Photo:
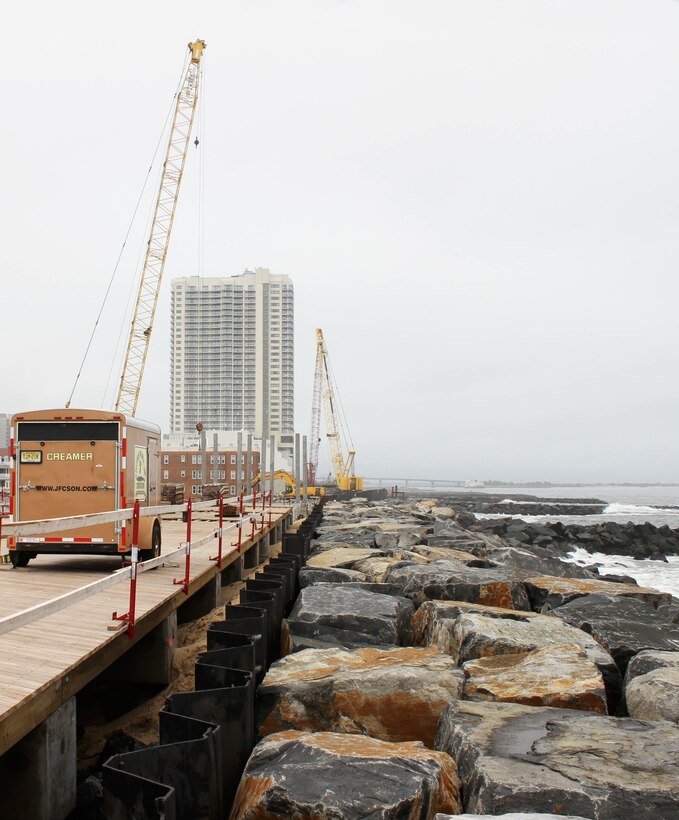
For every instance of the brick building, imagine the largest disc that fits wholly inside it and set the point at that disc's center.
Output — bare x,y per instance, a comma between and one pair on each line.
185,466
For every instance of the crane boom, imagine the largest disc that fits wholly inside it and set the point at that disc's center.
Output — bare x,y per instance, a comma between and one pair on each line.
343,468
159,239
312,466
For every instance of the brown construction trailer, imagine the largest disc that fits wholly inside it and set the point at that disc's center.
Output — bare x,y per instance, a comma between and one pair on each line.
73,462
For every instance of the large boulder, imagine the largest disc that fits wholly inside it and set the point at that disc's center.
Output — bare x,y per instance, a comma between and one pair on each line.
431,612
648,660
531,815
472,636
550,592
559,676
340,557
519,758
454,581
336,612
328,575
623,626
393,695
328,775
525,561
655,695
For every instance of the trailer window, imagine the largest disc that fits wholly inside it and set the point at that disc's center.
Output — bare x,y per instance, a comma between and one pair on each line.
67,431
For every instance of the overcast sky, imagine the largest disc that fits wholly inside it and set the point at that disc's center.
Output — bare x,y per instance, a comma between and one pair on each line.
477,200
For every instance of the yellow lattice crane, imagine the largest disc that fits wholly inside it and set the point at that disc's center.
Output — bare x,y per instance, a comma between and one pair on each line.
324,386
159,239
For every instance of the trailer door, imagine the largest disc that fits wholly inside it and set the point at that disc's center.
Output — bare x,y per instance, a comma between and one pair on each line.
68,468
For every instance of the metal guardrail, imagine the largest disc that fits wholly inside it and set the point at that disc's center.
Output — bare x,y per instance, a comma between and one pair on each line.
131,572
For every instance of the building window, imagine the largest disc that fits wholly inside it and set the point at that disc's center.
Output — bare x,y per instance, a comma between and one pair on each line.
194,490
194,474
166,475
182,474
223,459
182,459
166,460
232,490
193,459
233,459
233,475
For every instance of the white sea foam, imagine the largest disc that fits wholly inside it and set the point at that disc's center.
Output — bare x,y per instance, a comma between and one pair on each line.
656,574
636,509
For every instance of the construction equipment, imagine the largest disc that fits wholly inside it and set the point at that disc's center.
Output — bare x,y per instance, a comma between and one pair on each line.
324,387
285,476
159,239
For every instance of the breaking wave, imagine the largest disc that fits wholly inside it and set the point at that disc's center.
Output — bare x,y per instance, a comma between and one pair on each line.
635,509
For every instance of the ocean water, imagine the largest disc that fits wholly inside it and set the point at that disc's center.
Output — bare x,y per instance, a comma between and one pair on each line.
636,504
655,574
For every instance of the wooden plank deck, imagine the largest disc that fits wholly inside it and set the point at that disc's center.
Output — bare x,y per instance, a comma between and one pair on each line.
45,663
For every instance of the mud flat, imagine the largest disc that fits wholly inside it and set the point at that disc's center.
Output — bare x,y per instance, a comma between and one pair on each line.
433,667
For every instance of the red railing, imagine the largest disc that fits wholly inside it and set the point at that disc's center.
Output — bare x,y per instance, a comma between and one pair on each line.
135,567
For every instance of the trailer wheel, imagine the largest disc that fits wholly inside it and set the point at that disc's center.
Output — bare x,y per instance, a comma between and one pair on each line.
154,552
20,559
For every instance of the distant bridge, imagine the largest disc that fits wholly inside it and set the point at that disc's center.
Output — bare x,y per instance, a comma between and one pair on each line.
406,482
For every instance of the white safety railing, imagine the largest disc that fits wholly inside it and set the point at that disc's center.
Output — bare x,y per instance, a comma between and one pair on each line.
262,504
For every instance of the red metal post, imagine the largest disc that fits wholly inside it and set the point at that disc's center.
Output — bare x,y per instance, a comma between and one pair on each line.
187,571
129,616
218,557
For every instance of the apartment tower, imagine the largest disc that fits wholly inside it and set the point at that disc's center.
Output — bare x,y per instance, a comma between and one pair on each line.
232,354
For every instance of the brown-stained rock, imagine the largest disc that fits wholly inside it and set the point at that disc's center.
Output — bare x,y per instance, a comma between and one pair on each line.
375,569
341,557
327,775
558,676
551,592
515,758
393,695
433,611
471,636
452,580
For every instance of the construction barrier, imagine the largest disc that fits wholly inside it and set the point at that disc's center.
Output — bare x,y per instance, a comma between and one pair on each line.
206,736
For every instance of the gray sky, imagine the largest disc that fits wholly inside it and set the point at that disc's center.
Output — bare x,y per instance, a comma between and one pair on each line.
477,200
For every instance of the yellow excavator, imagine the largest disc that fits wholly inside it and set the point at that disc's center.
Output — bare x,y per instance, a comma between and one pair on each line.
289,491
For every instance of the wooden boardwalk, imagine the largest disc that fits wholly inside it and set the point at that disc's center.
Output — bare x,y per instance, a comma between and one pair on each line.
45,663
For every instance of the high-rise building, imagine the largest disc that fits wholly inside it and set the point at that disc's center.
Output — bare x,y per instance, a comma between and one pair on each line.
5,421
232,354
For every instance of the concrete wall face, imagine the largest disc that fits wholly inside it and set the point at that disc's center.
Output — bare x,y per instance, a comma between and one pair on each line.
232,353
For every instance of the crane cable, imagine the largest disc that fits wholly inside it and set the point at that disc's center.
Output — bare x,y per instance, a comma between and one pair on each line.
127,235
344,431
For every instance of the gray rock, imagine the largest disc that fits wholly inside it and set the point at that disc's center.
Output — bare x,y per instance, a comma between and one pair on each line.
329,775
623,626
527,562
394,694
655,695
452,580
648,660
538,759
513,816
471,636
330,612
548,591
328,575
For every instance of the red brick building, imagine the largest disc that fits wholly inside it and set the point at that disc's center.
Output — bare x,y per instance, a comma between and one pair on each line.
185,467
